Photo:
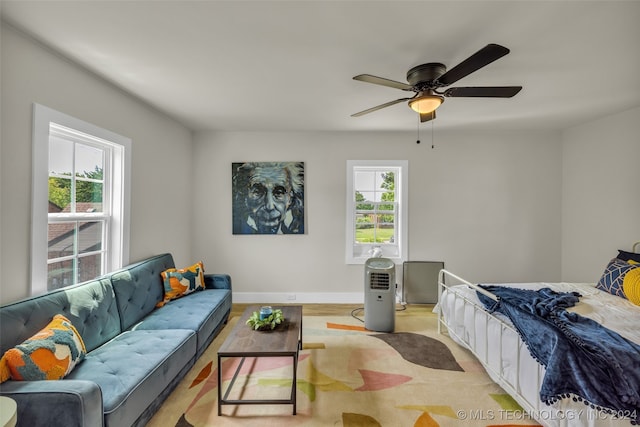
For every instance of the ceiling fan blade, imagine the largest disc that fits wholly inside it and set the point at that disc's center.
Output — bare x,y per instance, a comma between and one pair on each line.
379,107
483,92
368,78
425,117
483,57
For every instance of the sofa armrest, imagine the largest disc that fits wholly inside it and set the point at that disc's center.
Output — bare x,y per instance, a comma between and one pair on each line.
67,403
217,281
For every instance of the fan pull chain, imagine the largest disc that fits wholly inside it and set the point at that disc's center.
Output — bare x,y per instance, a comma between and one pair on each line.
432,143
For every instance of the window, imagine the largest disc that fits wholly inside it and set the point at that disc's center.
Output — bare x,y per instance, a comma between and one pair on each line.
376,210
80,201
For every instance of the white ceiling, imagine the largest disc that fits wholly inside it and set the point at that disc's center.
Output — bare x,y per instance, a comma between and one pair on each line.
288,65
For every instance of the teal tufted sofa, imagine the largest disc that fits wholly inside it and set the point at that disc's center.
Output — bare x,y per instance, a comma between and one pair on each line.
136,353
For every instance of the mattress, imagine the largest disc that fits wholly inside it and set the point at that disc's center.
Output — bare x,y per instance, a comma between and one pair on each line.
505,357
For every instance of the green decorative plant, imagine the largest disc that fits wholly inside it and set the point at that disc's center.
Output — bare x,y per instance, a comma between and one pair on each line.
270,322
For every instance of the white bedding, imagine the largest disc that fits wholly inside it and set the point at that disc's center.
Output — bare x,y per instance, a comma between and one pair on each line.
471,326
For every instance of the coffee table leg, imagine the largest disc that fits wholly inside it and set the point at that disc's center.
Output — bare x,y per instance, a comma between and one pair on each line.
219,387
294,386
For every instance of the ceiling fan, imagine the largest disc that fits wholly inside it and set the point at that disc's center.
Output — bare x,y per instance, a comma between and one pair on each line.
426,81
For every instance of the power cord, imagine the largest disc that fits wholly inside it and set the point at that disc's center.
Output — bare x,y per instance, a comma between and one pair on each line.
354,311
403,306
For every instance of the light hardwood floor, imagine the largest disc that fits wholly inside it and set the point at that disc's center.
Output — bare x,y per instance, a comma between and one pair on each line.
342,309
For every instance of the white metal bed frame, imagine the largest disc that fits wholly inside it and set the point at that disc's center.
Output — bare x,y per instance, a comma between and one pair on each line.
513,388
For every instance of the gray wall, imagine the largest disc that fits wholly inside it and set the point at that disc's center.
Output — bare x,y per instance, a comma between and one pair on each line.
161,171
486,203
600,193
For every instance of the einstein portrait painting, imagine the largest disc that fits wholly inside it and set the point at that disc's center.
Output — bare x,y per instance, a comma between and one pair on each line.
268,197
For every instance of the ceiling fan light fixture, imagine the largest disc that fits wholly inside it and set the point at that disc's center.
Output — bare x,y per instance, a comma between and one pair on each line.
426,103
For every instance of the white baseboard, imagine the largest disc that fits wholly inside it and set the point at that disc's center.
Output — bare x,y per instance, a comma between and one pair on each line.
298,297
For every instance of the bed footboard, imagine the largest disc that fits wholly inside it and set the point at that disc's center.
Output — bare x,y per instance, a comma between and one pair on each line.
501,340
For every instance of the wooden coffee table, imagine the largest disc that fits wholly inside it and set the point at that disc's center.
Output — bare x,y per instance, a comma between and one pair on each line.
285,340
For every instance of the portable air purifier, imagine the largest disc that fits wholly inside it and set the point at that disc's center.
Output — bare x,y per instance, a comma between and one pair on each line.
379,295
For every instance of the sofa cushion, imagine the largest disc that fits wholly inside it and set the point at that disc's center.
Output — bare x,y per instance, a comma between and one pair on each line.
181,282
133,368
66,403
200,311
90,306
139,288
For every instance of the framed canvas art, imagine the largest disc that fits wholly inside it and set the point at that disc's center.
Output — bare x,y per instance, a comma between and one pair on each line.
268,197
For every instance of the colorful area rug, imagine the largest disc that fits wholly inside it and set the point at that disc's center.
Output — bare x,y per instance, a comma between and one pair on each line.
348,376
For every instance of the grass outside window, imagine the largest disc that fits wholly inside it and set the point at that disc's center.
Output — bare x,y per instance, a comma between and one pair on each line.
382,235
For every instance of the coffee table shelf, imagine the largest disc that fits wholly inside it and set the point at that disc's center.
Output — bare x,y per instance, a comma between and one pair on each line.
284,341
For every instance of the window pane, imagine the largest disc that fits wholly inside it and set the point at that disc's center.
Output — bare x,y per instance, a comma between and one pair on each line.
88,196
387,220
364,180
89,173
366,196
59,195
89,161
386,233
89,236
89,267
365,232
59,274
60,156
364,207
375,229
61,239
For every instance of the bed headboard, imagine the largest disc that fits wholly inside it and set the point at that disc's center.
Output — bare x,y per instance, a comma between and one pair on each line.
636,247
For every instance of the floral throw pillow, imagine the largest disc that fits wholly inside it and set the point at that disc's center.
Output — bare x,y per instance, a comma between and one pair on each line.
51,354
179,282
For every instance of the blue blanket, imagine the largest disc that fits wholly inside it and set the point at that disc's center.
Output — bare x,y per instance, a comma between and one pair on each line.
583,359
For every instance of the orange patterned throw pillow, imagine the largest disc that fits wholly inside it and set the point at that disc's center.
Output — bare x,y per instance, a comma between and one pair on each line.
50,354
182,282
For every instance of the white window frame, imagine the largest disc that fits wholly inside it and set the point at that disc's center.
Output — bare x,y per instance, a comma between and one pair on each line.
117,236
358,253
